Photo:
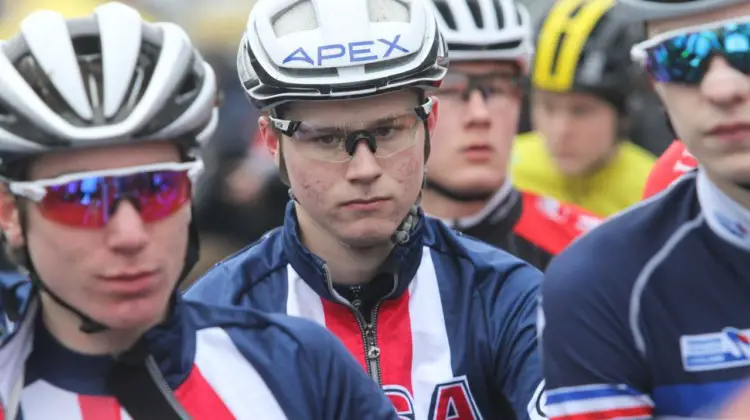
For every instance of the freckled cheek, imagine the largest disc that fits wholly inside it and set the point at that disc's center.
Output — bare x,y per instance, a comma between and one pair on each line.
313,183
407,170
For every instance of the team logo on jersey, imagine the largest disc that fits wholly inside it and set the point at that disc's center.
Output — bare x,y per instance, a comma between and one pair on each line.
729,348
401,400
453,400
552,209
732,226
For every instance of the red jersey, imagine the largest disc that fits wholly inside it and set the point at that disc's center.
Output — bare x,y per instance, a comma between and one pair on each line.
674,162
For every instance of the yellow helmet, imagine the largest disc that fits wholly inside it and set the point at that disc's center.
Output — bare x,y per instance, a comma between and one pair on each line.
582,46
14,11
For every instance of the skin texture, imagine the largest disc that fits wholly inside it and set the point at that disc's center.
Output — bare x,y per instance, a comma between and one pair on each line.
475,123
723,97
75,263
578,129
353,242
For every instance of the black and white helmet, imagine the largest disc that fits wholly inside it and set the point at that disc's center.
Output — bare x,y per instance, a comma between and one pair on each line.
107,78
667,9
336,49
486,30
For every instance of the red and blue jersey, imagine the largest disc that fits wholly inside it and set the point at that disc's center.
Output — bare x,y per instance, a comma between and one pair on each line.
219,364
455,338
647,315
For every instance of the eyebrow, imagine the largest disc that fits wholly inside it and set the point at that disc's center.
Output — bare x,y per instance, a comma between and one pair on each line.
340,126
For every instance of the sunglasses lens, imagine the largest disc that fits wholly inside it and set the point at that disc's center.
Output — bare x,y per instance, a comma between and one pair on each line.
682,59
91,201
686,58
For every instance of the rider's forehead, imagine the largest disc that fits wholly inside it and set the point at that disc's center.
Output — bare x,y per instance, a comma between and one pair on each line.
657,27
483,67
340,112
102,158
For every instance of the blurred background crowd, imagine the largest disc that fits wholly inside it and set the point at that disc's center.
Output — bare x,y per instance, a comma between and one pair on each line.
241,197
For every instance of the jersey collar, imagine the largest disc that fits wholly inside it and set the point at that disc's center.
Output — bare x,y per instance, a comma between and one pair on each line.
726,217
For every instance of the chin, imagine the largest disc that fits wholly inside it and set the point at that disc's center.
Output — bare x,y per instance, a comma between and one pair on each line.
370,234
571,168
735,167
483,186
131,314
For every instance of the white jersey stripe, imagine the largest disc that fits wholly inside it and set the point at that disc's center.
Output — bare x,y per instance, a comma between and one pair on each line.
302,301
431,350
221,363
57,403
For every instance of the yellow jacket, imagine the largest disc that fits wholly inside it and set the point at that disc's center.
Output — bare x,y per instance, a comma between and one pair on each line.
610,189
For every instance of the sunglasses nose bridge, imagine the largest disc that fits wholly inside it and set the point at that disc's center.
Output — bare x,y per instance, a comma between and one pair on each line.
115,202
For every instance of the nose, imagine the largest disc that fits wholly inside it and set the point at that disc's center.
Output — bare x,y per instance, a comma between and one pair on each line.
125,231
477,113
723,85
363,167
557,128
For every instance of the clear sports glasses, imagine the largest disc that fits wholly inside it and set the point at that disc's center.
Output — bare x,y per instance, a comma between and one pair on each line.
337,143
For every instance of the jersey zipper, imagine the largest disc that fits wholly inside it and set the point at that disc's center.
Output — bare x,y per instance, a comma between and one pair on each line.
368,330
166,391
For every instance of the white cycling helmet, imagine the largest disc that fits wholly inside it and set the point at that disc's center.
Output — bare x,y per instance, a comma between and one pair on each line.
337,49
107,78
486,30
667,9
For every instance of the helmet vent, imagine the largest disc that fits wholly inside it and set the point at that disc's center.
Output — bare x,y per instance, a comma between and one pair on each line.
476,13
298,17
445,12
387,11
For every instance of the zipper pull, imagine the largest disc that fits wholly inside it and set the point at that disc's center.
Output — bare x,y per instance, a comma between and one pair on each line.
373,353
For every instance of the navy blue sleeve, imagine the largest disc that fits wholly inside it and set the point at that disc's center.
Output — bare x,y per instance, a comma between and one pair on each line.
513,307
591,365
346,389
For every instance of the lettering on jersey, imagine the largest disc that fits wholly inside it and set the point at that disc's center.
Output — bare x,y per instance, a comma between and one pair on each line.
552,209
401,400
453,401
352,52
585,223
729,348
537,404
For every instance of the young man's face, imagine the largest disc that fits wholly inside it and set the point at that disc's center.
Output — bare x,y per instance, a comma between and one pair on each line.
712,118
121,274
358,199
474,135
578,129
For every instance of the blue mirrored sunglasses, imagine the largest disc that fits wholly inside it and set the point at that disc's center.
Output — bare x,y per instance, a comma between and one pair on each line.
684,56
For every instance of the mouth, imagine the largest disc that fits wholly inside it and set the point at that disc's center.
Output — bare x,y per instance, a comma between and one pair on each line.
130,282
734,132
364,204
478,152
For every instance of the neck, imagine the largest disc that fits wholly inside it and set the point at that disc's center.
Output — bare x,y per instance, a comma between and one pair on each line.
740,195
65,327
440,206
725,207
346,265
